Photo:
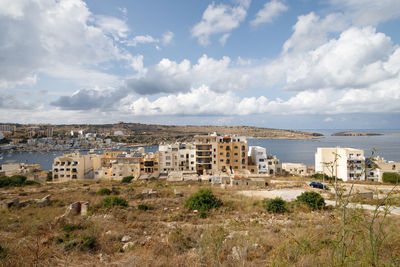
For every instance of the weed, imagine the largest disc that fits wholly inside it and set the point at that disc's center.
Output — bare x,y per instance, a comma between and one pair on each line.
203,200
312,199
104,191
276,205
110,202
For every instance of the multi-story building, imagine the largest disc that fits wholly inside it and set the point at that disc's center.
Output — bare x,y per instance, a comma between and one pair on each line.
206,153
232,154
259,158
149,165
344,163
299,169
274,165
177,157
378,166
75,166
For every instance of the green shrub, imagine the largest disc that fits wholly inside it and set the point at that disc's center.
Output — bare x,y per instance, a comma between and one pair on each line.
110,202
276,205
30,182
127,179
311,199
203,200
145,207
391,177
15,180
104,191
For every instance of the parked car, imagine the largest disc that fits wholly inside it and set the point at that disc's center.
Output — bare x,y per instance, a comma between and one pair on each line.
318,185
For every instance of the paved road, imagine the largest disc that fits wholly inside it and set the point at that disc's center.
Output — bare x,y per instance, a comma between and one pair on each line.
291,195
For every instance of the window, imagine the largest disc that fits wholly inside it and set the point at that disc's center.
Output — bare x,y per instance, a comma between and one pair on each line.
236,147
243,147
236,160
228,154
228,148
243,161
221,160
236,167
182,156
236,154
221,146
221,153
228,161
243,167
243,154
168,158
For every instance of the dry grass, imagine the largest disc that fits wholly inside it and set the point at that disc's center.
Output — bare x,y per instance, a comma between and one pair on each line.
240,233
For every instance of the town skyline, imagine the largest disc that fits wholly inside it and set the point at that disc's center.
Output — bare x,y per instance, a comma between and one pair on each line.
277,64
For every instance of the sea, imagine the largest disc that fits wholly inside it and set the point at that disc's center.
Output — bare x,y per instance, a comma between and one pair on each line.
386,145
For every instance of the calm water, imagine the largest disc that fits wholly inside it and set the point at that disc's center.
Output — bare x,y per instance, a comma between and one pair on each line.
303,151
46,158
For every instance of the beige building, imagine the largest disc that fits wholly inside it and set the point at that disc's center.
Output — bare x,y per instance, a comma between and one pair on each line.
177,157
378,166
299,169
344,163
16,168
149,166
206,153
232,154
74,166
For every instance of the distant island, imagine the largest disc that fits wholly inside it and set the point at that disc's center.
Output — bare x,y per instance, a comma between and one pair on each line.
350,133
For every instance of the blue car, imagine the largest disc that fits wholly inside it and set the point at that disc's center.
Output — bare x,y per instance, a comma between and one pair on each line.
318,185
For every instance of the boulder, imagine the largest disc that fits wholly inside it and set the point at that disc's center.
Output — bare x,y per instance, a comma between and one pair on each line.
43,201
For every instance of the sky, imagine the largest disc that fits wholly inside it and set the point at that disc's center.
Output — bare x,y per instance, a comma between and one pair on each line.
299,64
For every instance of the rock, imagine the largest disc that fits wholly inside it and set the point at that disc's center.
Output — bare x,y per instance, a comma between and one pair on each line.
128,245
109,232
178,193
195,211
8,203
236,253
43,201
84,208
126,238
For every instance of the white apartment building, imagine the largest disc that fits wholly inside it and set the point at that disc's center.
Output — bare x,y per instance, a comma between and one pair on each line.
258,156
177,157
344,163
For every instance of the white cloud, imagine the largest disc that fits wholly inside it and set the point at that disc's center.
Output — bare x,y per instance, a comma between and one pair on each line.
167,37
142,39
328,119
51,36
269,12
114,26
310,31
219,19
204,102
363,13
223,39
